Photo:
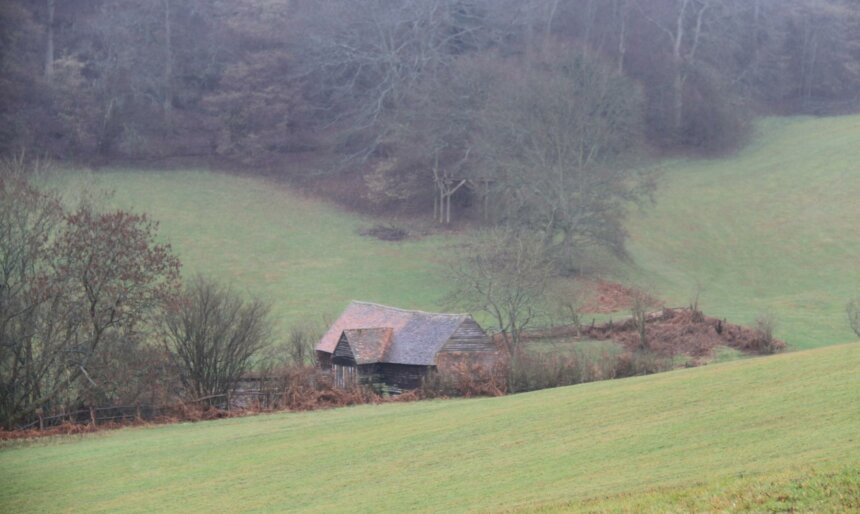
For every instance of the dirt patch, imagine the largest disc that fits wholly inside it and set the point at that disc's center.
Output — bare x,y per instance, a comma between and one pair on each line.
606,297
389,232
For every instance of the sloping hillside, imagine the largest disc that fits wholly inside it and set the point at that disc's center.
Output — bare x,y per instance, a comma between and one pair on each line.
772,230
760,433
302,254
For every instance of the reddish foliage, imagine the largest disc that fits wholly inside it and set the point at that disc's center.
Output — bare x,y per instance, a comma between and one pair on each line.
464,377
307,388
671,332
684,331
607,297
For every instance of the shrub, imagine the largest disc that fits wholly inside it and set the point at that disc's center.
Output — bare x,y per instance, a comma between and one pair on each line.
642,362
763,342
853,311
213,334
466,378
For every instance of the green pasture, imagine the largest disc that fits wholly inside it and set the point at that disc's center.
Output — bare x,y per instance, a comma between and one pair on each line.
304,256
581,349
754,434
772,230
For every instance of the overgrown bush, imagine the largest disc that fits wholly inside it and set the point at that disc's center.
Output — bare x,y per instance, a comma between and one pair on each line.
764,342
533,371
310,388
853,311
465,378
643,362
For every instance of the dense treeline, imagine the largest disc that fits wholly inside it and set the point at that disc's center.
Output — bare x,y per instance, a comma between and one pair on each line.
413,103
244,77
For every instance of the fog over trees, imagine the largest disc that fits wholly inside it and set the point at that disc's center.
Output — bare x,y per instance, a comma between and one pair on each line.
530,110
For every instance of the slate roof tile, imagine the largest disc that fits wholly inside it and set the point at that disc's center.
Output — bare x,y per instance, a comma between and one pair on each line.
415,336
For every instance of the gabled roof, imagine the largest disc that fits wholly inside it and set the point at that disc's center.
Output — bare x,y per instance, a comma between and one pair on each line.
416,336
368,345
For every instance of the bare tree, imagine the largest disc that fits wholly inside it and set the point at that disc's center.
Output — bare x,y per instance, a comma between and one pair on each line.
853,311
49,39
504,274
683,27
72,285
366,58
300,345
639,313
28,362
558,139
214,334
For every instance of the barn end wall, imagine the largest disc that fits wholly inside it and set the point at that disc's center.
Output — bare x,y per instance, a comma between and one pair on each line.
324,359
469,337
456,362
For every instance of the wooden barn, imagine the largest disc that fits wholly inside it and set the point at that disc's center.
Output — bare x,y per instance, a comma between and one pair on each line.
371,343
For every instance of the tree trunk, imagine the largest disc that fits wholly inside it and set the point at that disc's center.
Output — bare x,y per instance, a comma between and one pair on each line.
168,60
547,33
678,99
622,35
49,44
678,63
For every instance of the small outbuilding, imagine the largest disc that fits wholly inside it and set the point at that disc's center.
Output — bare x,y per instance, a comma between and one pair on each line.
375,344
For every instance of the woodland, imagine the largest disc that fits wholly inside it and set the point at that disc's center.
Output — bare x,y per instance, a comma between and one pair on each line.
400,105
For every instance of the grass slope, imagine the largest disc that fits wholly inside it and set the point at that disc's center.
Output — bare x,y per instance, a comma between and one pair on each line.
774,229
303,255
758,433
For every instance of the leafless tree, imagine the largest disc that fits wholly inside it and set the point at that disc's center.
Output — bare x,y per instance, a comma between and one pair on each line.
300,345
684,26
72,285
504,274
557,138
214,334
28,363
853,311
367,57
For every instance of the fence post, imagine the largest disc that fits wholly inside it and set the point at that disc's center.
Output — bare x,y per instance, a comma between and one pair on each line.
137,411
228,401
93,415
41,419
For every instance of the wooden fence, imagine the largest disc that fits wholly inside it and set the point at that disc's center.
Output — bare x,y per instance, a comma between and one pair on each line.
250,393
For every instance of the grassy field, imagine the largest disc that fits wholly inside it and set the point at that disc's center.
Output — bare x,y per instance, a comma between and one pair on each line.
773,230
303,255
762,434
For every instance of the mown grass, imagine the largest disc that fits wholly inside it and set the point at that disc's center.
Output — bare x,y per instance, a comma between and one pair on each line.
772,230
757,434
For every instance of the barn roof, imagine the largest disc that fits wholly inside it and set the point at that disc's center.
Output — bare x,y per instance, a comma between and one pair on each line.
416,336
369,345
